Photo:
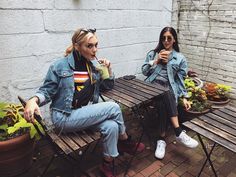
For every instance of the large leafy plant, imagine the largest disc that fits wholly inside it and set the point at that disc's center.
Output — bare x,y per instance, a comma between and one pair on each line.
13,124
196,96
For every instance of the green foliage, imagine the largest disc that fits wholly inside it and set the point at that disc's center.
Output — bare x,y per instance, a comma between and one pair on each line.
12,122
189,83
217,92
196,96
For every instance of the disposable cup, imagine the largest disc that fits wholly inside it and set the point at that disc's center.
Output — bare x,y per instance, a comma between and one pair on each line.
103,70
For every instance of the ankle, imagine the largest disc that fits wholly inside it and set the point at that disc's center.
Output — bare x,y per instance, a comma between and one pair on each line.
107,159
160,138
123,137
128,138
178,131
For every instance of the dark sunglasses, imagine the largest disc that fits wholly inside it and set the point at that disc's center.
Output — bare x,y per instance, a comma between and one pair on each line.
166,38
89,30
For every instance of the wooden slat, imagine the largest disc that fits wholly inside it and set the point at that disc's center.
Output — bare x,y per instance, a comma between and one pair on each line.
125,96
231,108
94,134
229,112
225,116
69,141
215,130
78,139
211,136
118,99
218,124
135,87
59,142
144,85
85,137
135,91
151,85
132,93
220,119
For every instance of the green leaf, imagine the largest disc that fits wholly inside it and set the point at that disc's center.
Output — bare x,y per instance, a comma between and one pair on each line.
21,124
3,127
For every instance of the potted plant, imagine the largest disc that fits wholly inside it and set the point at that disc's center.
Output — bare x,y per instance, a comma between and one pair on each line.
17,140
197,98
217,94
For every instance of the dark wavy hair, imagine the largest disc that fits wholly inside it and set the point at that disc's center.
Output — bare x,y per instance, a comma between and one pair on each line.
160,45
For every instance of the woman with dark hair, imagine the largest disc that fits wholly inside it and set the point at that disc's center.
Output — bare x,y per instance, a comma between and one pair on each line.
167,67
72,85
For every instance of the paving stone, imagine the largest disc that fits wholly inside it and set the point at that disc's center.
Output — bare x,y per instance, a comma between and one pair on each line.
151,168
187,175
167,168
172,174
178,161
181,169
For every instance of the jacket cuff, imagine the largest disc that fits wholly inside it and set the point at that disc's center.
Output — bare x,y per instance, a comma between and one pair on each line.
41,98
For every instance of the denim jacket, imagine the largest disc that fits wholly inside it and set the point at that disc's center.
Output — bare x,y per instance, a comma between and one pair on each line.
58,86
176,71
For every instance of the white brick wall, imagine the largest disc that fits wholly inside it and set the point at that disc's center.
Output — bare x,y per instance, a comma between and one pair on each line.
212,57
33,33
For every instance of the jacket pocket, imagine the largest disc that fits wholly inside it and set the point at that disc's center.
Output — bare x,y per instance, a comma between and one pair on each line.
175,68
66,79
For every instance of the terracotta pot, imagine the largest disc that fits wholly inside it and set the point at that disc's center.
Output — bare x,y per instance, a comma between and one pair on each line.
198,82
16,155
219,104
196,113
188,115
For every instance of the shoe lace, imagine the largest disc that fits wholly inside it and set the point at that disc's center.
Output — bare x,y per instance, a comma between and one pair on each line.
161,145
185,137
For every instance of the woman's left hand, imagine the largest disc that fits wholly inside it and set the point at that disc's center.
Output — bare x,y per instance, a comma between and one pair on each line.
186,103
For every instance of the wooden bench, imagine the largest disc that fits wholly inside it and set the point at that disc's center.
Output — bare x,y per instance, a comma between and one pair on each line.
69,145
218,126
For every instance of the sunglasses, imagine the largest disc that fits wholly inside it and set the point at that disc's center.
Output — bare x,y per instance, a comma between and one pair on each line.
89,30
166,38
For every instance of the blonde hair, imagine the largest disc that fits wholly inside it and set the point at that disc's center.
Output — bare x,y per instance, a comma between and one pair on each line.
78,38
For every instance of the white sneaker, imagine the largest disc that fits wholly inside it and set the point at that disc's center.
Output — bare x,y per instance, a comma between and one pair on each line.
160,149
186,140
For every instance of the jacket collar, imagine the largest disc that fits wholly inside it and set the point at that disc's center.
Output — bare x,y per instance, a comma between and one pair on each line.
71,61
174,54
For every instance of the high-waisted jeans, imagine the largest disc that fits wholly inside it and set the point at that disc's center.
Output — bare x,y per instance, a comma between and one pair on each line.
105,117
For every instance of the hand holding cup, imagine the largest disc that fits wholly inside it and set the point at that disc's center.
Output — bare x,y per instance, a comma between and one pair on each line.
103,67
163,56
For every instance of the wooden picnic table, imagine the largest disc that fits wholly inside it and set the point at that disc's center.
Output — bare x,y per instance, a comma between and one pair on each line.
218,126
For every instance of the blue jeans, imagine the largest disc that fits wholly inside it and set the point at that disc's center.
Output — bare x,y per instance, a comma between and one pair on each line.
105,117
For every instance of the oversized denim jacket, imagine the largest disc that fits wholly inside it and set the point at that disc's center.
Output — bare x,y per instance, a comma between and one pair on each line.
58,86
176,71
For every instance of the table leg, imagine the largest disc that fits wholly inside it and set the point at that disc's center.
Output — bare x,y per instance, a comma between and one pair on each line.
208,156
137,113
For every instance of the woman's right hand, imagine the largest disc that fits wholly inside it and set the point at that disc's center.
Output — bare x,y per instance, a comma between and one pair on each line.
31,108
163,57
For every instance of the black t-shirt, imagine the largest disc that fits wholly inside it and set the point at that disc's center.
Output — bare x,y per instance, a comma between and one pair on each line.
82,81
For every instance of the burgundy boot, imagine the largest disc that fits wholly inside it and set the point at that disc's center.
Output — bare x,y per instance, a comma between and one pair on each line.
129,146
107,169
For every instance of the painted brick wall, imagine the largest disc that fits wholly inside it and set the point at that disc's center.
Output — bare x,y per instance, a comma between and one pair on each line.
207,34
33,33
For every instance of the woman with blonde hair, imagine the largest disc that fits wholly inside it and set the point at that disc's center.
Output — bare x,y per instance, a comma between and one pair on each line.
71,84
